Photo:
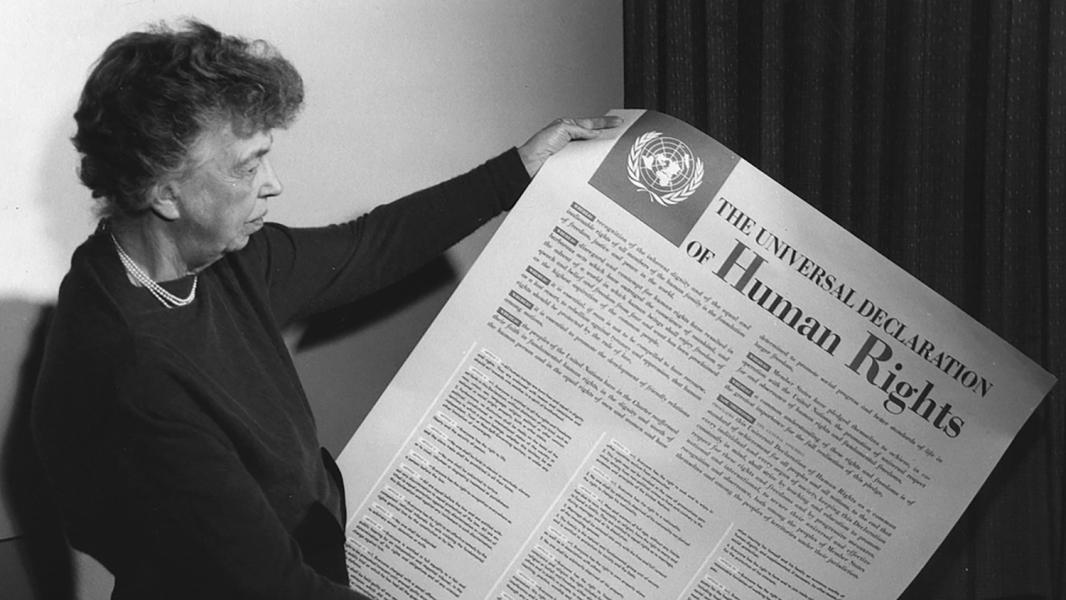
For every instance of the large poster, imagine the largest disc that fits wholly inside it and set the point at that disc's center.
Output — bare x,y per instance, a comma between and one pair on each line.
668,377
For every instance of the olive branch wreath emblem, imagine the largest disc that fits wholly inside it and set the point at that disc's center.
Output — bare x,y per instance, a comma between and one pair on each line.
669,199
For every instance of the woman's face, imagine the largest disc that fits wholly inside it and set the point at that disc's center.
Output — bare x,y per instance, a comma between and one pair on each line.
222,197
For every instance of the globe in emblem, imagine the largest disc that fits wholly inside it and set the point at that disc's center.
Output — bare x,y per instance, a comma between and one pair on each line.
666,164
665,167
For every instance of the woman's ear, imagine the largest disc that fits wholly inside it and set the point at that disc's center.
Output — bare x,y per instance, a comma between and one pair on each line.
164,199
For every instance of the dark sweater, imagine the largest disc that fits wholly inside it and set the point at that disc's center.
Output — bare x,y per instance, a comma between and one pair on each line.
180,441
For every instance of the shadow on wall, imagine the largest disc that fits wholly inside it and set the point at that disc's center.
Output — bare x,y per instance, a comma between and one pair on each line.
439,274
59,216
347,357
33,510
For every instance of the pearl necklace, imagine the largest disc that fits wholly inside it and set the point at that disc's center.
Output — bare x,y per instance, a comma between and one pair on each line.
167,299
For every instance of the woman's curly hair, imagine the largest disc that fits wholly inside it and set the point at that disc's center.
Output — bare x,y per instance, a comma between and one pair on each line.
152,93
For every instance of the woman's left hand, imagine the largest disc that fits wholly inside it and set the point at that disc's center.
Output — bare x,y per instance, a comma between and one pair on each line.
559,133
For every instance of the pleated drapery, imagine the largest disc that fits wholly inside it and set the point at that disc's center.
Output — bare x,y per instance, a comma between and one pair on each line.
935,132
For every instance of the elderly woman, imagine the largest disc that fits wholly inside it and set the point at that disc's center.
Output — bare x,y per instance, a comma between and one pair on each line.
168,412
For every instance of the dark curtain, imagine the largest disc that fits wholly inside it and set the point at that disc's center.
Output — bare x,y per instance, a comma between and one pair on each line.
936,132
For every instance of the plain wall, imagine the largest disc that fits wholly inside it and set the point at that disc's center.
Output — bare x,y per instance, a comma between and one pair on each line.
400,94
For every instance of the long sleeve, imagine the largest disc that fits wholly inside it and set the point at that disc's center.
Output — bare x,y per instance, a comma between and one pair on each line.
310,270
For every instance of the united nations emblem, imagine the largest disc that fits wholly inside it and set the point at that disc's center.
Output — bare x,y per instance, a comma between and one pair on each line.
664,167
